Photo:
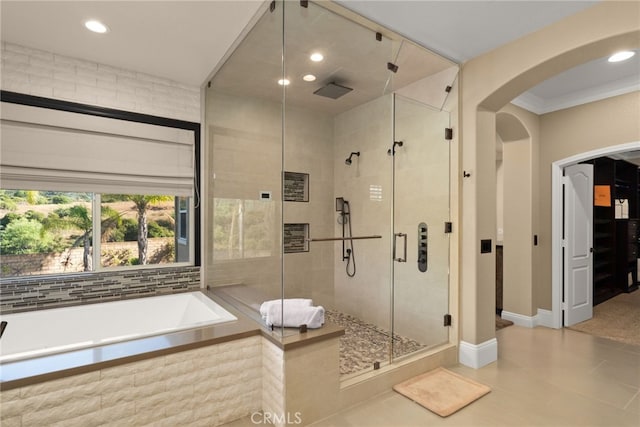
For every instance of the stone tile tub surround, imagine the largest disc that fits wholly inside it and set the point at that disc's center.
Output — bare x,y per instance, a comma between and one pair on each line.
207,386
204,376
43,292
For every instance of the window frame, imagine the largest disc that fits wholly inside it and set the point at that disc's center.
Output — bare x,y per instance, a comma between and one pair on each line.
182,223
194,210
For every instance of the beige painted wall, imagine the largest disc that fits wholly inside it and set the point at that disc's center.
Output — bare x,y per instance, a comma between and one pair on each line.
572,131
517,286
488,83
520,130
499,200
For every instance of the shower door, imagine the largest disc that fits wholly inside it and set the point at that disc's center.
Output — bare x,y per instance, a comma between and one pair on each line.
420,272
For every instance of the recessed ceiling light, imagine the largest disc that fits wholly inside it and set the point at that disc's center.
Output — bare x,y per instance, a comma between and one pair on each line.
283,82
316,57
621,56
309,78
96,26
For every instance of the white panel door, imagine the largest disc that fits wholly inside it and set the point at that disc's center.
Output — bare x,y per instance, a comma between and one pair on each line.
578,251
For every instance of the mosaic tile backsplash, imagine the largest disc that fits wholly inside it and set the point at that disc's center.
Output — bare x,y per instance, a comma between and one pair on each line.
39,293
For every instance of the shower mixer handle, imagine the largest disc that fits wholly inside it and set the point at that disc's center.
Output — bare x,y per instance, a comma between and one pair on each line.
395,240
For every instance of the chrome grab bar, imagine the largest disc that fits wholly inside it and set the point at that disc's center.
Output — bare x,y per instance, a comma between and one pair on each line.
328,239
395,236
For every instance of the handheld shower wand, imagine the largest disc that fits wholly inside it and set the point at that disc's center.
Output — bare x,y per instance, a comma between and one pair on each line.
349,161
348,252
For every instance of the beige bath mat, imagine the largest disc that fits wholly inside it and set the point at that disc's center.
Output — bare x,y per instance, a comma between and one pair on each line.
442,391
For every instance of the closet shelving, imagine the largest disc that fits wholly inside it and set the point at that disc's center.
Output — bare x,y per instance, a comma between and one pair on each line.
615,229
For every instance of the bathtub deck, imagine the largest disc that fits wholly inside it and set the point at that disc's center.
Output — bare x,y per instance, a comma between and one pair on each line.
32,371
361,345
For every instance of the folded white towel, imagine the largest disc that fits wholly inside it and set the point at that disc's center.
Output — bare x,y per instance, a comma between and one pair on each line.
287,302
293,317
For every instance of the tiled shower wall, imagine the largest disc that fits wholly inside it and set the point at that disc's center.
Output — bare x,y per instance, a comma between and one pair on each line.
50,292
244,159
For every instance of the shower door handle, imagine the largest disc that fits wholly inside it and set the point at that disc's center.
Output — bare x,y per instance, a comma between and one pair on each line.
395,243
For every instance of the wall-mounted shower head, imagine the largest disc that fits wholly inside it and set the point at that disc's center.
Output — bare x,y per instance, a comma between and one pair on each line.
348,161
391,151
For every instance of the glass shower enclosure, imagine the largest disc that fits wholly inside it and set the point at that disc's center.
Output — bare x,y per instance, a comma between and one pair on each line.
328,179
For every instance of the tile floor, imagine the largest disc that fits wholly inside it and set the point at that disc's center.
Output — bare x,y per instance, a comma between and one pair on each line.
365,343
543,377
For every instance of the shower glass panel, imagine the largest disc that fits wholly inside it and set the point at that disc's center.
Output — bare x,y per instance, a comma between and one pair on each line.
421,199
337,128
244,116
307,191
420,210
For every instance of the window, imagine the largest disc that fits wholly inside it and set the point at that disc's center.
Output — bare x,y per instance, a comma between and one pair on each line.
45,232
87,188
49,232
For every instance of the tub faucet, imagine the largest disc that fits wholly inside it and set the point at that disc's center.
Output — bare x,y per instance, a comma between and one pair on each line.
3,325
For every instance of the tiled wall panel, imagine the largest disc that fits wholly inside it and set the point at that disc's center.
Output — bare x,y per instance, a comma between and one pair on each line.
40,73
38,293
208,386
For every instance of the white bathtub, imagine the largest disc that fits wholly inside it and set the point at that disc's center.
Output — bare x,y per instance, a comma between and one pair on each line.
43,332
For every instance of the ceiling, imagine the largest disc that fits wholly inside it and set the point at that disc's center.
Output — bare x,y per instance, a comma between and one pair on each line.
354,59
186,40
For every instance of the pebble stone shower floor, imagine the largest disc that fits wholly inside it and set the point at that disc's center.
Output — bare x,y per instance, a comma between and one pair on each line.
365,343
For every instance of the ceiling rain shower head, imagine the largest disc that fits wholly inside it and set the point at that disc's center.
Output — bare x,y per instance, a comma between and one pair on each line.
349,161
333,91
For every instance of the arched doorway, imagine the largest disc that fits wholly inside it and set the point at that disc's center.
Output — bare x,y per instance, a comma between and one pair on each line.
517,220
557,169
488,84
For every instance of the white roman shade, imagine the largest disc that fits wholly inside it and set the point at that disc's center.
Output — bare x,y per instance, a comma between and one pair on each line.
47,149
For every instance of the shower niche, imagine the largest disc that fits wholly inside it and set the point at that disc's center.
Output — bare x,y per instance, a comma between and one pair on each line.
296,238
296,187
308,87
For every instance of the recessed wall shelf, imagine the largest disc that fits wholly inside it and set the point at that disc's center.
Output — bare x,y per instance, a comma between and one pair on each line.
296,238
296,187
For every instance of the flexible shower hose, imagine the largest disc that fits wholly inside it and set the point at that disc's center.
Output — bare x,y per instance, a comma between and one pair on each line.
351,254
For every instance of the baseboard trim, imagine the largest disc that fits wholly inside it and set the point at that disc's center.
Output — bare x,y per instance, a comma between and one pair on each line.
545,318
520,319
478,355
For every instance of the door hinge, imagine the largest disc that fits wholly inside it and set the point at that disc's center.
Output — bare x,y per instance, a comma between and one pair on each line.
448,227
392,67
447,320
448,134
272,6
304,3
